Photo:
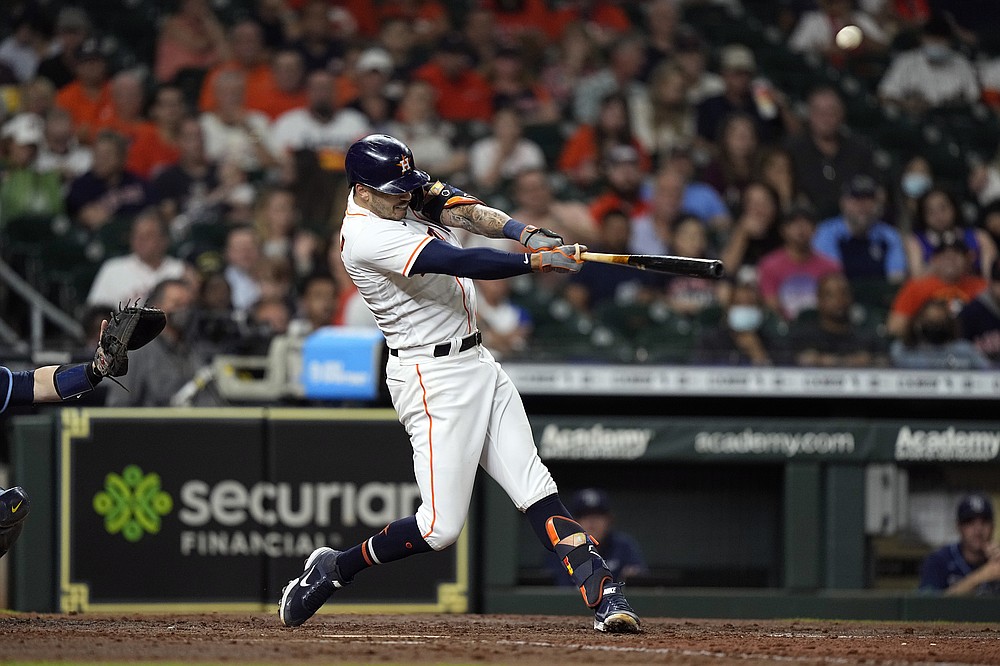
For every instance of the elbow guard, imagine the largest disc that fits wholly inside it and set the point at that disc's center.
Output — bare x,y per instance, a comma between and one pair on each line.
432,199
74,380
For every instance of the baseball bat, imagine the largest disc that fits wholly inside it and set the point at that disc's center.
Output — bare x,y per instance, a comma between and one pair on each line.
687,266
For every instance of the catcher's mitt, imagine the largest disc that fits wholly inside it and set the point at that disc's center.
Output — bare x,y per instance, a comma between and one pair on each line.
128,329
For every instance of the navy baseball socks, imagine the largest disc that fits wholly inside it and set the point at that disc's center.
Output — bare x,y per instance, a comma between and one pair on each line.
327,570
590,573
14,506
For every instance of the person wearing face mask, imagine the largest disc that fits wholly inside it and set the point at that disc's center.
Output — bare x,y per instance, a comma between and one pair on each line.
931,342
740,338
931,76
915,181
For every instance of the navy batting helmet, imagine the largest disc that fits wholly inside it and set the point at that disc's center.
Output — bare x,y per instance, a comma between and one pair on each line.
383,163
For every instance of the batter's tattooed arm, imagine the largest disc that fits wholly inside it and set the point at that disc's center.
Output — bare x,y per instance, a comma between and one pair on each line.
477,218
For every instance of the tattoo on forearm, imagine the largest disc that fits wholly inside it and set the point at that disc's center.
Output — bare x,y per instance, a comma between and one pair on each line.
477,218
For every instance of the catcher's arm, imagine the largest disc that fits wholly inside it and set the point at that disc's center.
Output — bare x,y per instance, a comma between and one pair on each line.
129,328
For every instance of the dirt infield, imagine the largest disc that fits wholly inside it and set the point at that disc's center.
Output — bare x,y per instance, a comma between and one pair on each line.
525,640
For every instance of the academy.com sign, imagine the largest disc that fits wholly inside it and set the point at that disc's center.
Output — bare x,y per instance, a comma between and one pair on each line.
947,444
594,442
789,444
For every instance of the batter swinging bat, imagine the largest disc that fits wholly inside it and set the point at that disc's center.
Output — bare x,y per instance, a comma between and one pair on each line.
687,266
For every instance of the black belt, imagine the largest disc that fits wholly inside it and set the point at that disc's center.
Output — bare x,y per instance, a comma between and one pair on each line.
443,349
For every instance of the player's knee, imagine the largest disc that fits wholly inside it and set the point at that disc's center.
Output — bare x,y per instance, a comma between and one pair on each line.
443,536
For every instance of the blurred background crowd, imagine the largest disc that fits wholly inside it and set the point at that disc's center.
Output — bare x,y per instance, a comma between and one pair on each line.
191,152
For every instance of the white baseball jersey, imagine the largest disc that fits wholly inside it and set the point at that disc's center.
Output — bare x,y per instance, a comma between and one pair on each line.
411,310
461,410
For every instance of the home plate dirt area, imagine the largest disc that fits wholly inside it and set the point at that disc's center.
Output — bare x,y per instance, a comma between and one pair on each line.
524,640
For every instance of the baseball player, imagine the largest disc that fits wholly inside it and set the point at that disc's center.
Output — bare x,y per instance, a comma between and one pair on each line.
459,408
130,328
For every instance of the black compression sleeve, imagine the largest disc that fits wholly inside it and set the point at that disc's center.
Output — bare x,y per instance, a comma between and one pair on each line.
479,263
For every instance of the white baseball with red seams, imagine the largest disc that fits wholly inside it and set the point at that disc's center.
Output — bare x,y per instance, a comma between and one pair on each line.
460,410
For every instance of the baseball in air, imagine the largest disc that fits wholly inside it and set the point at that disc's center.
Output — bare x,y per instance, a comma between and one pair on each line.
849,37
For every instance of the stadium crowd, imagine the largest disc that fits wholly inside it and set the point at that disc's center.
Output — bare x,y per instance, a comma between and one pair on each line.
196,147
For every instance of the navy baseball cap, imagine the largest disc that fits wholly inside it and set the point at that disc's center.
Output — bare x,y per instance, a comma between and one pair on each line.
975,506
589,501
861,186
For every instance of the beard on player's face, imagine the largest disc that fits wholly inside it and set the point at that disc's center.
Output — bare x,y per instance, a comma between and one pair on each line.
388,206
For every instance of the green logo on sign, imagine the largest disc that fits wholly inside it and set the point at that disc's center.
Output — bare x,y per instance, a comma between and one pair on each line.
132,503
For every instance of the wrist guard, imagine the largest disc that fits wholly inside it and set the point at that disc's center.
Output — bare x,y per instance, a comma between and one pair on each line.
430,200
74,380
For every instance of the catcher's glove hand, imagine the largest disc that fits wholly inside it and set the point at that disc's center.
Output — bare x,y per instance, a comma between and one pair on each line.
129,328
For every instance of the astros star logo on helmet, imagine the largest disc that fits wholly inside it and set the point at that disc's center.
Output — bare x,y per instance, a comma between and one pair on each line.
404,163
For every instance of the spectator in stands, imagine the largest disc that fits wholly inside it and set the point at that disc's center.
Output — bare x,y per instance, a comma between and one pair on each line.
972,565
984,181
688,296
662,23
691,56
270,316
735,161
463,94
948,279
318,127
320,48
587,148
816,30
740,339
938,220
428,19
826,156
419,127
132,276
790,274
190,38
150,147
71,29
591,507
536,204
514,87
276,281
916,180
158,371
281,236
832,339
22,49
242,255
865,247
775,168
496,159
25,190
528,20
186,187
738,66
623,177
89,93
375,94
603,19
930,341
664,120
573,58
38,96
989,220
931,76
590,289
979,320
61,151
620,77
756,230
234,132
317,304
396,39
506,327
246,56
107,191
286,86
